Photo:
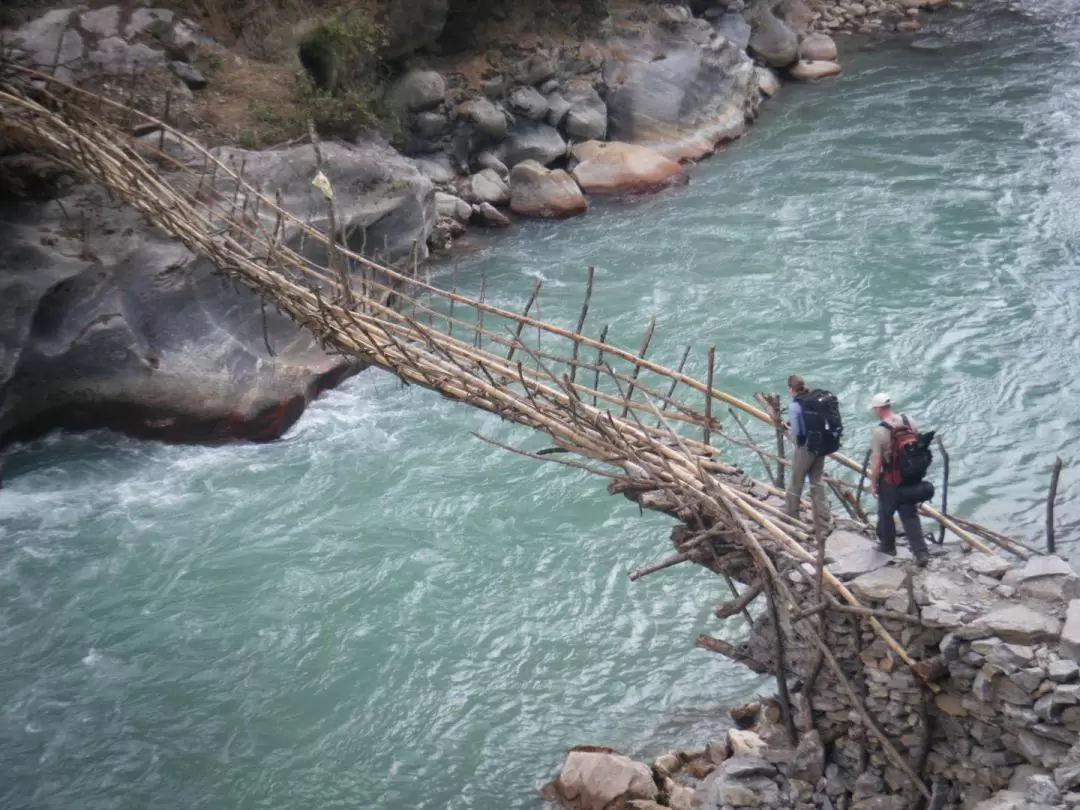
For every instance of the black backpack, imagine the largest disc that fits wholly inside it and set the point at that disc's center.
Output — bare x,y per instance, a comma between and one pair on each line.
821,420
911,455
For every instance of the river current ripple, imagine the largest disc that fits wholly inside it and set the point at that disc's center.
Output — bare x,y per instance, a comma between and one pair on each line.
380,611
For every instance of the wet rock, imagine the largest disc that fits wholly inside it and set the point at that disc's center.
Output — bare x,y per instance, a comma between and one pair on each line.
486,118
587,118
596,781
484,186
527,102
189,75
417,90
622,168
818,48
529,140
810,71
772,41
144,338
539,192
490,216
768,83
447,205
666,764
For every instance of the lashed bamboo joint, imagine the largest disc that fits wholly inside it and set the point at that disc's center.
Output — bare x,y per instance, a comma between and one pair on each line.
621,415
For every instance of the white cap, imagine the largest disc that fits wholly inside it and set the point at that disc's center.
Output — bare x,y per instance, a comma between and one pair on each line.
880,401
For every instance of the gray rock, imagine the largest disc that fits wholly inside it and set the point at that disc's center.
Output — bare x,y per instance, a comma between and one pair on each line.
743,767
487,214
486,186
587,118
735,28
1050,706
486,118
495,87
488,160
696,95
558,107
431,124
143,19
536,69
772,41
417,90
991,565
755,791
1028,679
1041,788
879,585
102,22
189,75
1017,623
411,26
856,563
809,762
1070,635
527,102
436,168
529,140
1063,671
550,86
1067,776
51,37
114,55
818,47
539,192
447,205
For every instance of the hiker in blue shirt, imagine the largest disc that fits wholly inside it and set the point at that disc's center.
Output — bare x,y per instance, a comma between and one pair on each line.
803,462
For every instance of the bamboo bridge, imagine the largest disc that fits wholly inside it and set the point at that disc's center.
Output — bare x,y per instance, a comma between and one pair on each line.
652,432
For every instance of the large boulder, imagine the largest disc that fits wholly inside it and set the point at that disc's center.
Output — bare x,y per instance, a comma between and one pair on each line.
680,97
129,330
417,90
487,119
528,140
587,117
598,780
771,40
809,71
410,26
818,47
623,168
536,191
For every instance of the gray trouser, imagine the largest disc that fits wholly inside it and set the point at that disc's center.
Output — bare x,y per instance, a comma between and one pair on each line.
909,519
805,463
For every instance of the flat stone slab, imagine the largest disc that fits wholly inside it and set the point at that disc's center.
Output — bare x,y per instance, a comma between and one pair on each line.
989,565
1047,565
1018,624
879,585
856,563
842,542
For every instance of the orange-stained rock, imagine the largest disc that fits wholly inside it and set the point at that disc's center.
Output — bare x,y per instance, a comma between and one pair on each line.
623,168
806,71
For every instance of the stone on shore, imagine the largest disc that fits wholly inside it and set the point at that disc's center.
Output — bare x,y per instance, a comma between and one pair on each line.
623,168
1017,624
1070,635
417,90
536,191
818,47
529,140
594,780
587,117
806,71
447,205
486,186
528,103
486,118
772,41
488,215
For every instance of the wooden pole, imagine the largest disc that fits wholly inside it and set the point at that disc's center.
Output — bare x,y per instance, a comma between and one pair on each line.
708,396
944,486
581,321
1050,498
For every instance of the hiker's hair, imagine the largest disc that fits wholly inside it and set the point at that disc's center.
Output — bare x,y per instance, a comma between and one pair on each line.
797,384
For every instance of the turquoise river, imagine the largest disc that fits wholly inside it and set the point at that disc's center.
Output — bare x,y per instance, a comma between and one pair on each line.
380,611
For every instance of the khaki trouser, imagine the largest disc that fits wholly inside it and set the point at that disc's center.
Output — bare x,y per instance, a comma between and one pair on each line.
805,463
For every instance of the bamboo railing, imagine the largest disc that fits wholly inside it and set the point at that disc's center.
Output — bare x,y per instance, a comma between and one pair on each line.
652,431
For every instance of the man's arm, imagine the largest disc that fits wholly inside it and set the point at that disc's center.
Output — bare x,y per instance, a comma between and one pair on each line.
795,421
875,470
877,443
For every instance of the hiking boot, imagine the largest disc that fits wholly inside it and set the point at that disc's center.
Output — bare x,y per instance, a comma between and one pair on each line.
890,550
922,558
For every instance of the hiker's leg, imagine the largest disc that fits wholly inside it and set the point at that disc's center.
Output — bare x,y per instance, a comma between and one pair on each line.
817,489
909,518
800,465
886,528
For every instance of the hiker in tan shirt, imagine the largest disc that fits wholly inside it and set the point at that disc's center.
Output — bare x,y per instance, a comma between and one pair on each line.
885,484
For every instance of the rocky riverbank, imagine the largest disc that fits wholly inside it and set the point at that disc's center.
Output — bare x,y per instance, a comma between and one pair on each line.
520,123
990,723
